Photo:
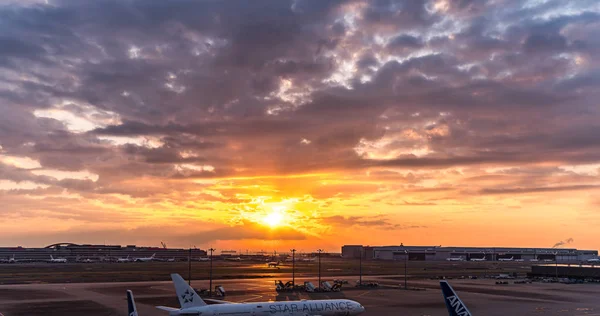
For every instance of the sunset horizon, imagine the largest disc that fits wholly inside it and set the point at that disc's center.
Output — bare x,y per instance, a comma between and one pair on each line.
300,124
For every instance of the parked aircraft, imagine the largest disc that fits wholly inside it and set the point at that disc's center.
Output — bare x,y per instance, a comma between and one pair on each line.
234,259
9,260
147,259
593,260
192,304
506,259
273,264
455,259
121,260
313,259
534,259
479,259
203,259
455,306
57,260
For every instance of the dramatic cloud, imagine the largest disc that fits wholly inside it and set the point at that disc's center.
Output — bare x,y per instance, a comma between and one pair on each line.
116,115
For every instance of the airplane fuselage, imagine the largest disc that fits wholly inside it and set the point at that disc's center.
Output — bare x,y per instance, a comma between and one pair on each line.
293,308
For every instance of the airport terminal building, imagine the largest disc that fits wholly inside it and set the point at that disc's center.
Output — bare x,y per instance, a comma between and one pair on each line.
439,253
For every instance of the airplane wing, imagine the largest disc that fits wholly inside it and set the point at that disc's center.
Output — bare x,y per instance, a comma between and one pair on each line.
167,309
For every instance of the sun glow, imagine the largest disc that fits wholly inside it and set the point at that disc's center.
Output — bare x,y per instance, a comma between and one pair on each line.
274,218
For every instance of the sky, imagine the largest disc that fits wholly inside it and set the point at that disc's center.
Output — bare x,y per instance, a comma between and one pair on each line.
278,124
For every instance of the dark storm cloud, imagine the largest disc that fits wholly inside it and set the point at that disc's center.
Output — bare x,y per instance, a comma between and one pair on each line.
262,87
405,41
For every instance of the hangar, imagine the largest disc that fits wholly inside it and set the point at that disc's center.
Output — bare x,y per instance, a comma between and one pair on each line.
439,253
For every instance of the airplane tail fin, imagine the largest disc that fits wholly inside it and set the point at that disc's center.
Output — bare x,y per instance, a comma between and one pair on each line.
153,255
455,306
185,294
131,309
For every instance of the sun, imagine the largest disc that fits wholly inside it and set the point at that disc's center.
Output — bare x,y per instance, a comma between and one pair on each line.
274,219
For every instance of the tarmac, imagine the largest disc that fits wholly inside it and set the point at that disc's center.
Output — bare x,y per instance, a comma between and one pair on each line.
482,297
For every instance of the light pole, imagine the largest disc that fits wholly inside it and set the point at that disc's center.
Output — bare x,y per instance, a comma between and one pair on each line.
319,251
293,267
210,276
405,268
360,267
190,267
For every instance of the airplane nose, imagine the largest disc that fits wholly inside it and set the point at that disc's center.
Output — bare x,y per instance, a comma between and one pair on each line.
361,309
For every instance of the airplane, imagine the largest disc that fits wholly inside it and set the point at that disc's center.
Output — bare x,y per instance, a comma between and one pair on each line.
171,260
454,304
86,260
121,260
9,260
192,304
273,264
455,259
534,259
131,308
234,259
479,259
506,259
203,259
313,259
147,259
57,260
593,260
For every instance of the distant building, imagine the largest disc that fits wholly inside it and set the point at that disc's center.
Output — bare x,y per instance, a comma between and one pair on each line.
432,253
72,252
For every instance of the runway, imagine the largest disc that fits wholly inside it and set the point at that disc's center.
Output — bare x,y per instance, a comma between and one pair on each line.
483,297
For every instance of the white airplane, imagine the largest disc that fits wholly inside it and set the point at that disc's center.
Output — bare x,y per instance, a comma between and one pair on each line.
506,259
273,264
455,306
479,259
593,260
192,304
121,260
57,260
203,259
12,259
147,259
234,259
519,260
455,259
9,260
309,259
534,259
